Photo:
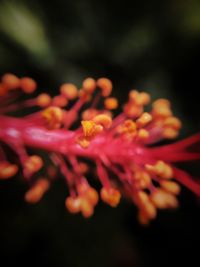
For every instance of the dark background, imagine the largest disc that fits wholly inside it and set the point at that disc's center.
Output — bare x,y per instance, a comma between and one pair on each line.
149,45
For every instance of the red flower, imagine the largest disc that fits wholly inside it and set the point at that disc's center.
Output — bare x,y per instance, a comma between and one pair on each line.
120,148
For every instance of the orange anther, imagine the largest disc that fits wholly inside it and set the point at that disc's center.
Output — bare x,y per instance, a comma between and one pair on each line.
35,193
143,134
103,120
83,142
92,196
33,163
43,100
144,119
161,102
132,110
161,169
73,204
172,122
171,187
86,208
105,85
163,199
110,103
7,170
89,84
146,205
69,90
60,101
170,133
139,99
88,128
28,85
143,179
143,99
128,126
110,196
89,114
11,81
53,117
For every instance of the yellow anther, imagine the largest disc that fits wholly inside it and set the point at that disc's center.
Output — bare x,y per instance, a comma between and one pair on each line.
53,117
90,128
171,187
7,170
143,179
105,85
161,169
34,194
83,142
143,197
69,90
89,85
172,122
33,163
162,199
129,126
110,103
103,120
60,101
144,119
110,196
170,133
43,100
11,81
143,134
89,114
73,204
145,205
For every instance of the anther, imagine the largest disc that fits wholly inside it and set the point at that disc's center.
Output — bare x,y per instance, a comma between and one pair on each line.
53,117
110,103
11,81
7,170
105,85
89,85
59,101
103,120
43,100
110,196
69,90
28,85
73,204
33,164
144,119
35,193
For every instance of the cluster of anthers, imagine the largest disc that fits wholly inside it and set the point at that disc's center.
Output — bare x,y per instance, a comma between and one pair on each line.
78,131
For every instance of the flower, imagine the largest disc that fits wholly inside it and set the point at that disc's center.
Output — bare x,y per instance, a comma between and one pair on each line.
121,148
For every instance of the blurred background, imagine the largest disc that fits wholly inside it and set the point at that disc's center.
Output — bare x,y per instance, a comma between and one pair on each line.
149,45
